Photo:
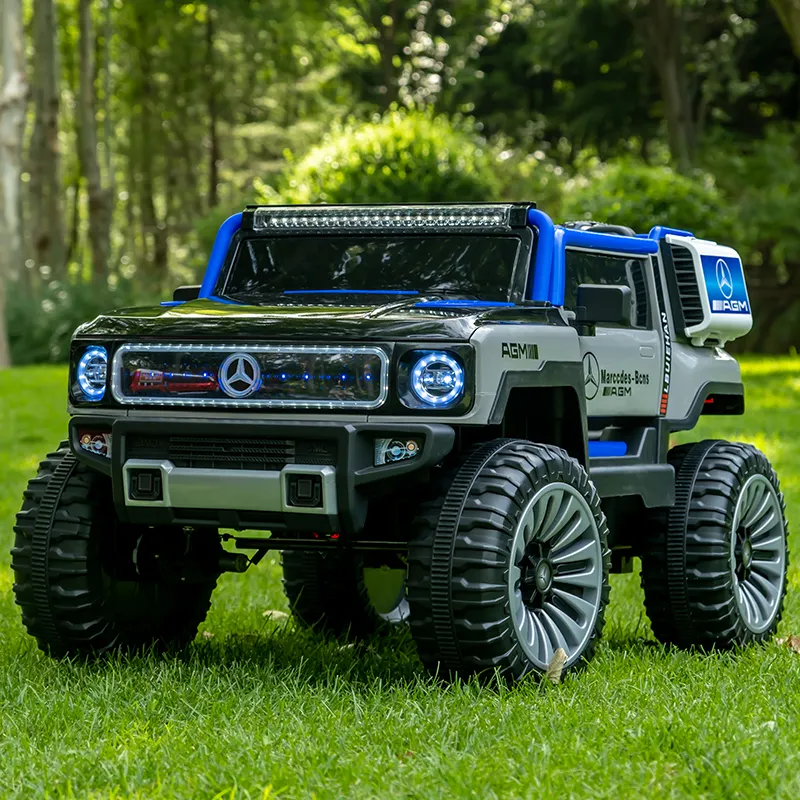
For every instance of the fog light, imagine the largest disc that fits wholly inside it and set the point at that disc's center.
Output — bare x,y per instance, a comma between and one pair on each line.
96,442
387,451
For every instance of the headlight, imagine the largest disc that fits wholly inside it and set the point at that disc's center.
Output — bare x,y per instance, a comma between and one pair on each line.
91,373
437,380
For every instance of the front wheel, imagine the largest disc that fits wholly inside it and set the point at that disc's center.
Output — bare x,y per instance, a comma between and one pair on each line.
509,564
88,584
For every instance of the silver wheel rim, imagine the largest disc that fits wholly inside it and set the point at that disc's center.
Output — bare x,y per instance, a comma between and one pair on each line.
555,580
758,553
386,589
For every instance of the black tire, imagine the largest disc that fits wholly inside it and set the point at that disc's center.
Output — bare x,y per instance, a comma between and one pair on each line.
693,562
75,569
338,593
460,560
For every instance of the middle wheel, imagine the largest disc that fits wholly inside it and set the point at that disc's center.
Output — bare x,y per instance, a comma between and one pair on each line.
509,564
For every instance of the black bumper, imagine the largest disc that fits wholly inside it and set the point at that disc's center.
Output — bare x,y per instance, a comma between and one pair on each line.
357,480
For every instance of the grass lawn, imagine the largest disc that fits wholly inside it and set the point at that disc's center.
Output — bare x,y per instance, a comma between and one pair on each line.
257,709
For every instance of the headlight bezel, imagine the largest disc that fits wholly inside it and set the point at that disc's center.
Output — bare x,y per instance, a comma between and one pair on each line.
409,395
83,388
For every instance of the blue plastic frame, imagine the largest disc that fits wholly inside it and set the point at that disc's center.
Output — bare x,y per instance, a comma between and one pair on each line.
217,258
549,266
547,281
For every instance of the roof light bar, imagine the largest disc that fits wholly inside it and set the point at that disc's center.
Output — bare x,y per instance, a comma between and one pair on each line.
349,218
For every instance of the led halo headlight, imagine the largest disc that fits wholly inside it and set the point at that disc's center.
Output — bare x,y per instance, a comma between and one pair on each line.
91,373
437,380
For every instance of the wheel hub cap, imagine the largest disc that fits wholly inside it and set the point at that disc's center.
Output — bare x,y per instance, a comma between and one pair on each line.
555,577
758,553
544,576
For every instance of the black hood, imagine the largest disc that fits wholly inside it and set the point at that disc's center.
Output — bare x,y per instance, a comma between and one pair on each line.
206,320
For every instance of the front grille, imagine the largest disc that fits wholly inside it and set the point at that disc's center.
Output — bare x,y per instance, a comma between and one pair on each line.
688,289
220,452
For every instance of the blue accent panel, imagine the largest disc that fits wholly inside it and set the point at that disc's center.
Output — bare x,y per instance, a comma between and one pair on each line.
543,262
659,232
463,304
218,253
172,303
725,286
352,291
628,245
607,449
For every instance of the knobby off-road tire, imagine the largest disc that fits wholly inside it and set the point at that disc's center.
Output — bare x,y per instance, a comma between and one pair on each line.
714,566
75,573
338,593
508,564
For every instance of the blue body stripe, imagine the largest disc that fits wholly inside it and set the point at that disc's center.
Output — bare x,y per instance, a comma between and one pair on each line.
607,449
352,291
217,258
453,303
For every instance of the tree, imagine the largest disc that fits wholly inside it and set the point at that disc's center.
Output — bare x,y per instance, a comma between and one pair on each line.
100,200
12,119
45,155
789,13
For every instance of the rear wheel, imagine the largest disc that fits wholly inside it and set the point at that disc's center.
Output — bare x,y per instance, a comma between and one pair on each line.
88,584
509,564
341,592
714,570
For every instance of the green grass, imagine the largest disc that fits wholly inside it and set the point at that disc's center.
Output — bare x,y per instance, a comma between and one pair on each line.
257,709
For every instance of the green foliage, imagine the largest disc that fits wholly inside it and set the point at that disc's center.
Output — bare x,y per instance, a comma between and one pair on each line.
403,157
762,178
629,192
40,326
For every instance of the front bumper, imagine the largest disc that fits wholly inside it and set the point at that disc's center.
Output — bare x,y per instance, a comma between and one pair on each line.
258,499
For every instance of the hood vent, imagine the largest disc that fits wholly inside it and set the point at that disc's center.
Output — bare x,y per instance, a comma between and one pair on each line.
688,288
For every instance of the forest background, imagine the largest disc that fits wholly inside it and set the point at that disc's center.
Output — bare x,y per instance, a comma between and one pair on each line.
129,130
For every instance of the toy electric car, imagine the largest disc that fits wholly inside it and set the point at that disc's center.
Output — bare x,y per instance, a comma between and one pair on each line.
455,415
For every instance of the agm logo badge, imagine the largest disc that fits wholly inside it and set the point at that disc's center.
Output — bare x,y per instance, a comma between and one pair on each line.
240,376
520,350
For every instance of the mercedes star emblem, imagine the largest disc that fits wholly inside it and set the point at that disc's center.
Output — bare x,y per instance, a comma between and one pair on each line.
240,376
724,279
591,376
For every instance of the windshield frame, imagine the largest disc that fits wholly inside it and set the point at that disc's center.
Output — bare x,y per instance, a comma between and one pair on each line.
517,291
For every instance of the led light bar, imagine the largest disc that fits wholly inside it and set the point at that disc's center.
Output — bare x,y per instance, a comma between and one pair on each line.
494,217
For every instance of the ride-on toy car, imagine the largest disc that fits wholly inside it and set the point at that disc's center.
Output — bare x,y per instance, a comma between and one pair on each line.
458,415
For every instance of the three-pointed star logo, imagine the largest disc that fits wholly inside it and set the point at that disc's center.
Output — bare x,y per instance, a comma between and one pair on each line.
724,279
240,375
591,376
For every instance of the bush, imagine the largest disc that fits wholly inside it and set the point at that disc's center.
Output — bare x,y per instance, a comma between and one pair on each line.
40,326
632,193
403,157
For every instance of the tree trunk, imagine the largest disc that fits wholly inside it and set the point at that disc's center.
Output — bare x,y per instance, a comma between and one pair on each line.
153,227
100,202
46,189
13,97
213,114
387,45
664,28
789,13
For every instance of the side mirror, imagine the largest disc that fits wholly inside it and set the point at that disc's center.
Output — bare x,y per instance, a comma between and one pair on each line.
603,304
185,293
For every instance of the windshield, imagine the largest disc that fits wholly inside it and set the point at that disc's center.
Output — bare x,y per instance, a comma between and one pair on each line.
478,266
